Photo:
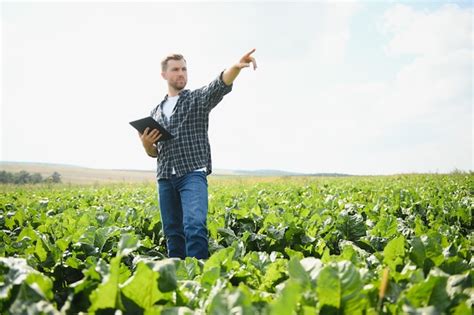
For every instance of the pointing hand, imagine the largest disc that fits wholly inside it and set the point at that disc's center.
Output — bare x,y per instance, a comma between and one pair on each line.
245,61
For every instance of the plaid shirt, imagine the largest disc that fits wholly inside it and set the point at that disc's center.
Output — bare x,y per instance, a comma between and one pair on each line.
189,149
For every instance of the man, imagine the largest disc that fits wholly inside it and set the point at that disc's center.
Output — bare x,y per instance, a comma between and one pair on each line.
184,162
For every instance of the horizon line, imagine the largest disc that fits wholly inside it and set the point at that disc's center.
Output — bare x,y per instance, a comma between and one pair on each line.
287,173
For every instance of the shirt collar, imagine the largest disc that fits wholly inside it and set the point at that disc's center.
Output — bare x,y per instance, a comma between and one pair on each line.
180,93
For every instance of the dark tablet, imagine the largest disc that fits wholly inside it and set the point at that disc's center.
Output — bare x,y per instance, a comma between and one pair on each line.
142,124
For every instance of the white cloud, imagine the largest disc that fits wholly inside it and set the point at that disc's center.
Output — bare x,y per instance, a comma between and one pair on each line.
439,79
419,121
335,34
435,88
433,84
329,32
444,30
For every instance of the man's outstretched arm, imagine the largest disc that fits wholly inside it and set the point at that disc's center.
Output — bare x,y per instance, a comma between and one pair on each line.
230,74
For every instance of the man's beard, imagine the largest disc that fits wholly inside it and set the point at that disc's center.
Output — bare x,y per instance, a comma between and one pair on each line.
178,85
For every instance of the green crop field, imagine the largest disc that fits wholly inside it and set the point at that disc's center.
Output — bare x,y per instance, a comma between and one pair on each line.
352,245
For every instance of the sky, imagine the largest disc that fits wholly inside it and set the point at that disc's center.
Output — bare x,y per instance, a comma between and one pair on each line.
365,88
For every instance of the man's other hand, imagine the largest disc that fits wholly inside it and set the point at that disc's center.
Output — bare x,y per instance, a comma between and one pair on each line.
149,137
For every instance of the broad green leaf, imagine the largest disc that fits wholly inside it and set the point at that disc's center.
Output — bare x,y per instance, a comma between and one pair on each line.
103,234
13,272
457,284
63,244
127,244
433,247
40,250
30,300
286,303
228,235
430,292
73,262
312,266
188,269
339,286
222,259
297,272
276,233
107,294
142,287
42,283
386,226
329,287
27,232
462,309
259,260
417,252
293,253
210,276
88,237
454,265
394,253
233,301
167,271
275,273
352,226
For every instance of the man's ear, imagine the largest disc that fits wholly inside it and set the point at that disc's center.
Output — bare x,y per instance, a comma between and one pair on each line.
163,75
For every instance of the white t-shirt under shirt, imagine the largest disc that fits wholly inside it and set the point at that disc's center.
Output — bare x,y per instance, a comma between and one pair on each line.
169,105
168,110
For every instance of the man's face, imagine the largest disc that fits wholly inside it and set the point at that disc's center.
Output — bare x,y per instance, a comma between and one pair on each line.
176,74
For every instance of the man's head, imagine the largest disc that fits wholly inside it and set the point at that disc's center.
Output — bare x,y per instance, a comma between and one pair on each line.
173,70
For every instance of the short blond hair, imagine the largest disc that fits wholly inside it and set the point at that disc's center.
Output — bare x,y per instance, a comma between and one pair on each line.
164,62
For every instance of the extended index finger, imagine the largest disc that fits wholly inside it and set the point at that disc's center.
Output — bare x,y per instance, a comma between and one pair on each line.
250,52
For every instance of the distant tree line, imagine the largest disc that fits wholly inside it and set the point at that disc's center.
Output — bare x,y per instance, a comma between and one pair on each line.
24,177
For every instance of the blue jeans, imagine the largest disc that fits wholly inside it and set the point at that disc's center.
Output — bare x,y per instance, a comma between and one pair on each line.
183,207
